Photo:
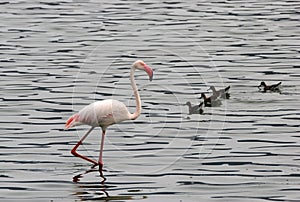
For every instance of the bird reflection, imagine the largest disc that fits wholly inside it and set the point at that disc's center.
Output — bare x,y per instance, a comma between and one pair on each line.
99,186
76,178
97,190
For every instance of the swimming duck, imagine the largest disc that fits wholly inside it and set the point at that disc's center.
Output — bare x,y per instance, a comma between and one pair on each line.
223,93
197,109
274,87
211,101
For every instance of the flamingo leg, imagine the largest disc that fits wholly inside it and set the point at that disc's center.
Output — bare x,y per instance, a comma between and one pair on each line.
74,152
100,161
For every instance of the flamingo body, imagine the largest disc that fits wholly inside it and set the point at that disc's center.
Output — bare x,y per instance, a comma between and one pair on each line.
100,114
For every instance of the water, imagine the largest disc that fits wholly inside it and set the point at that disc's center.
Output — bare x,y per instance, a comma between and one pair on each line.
56,57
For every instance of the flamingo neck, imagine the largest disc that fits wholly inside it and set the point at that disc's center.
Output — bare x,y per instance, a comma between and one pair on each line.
136,95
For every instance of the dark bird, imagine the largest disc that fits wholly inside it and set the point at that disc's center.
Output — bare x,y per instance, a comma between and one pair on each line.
223,93
196,109
211,101
264,87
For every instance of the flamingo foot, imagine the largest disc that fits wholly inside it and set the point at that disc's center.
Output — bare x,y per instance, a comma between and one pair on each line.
101,171
95,164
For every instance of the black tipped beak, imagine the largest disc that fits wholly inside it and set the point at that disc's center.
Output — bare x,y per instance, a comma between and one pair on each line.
151,77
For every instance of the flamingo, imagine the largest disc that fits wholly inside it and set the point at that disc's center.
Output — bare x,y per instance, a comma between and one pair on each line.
274,87
107,112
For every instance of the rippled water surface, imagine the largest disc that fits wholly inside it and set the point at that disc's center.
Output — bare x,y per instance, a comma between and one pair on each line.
58,56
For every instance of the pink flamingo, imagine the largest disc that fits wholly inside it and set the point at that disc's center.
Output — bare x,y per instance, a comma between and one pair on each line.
107,112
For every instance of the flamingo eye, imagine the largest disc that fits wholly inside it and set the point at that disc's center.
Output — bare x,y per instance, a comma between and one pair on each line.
142,64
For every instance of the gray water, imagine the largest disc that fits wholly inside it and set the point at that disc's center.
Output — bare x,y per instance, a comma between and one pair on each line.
58,56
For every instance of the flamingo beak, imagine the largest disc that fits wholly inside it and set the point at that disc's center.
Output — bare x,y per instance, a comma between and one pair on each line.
149,71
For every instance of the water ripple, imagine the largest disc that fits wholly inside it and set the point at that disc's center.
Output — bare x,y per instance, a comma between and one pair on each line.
56,57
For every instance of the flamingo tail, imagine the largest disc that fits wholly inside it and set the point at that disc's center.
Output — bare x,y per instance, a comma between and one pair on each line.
72,121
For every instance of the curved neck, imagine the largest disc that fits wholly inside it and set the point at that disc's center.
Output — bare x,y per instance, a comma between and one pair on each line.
136,95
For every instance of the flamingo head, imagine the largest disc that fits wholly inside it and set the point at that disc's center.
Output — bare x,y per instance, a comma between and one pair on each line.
141,65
